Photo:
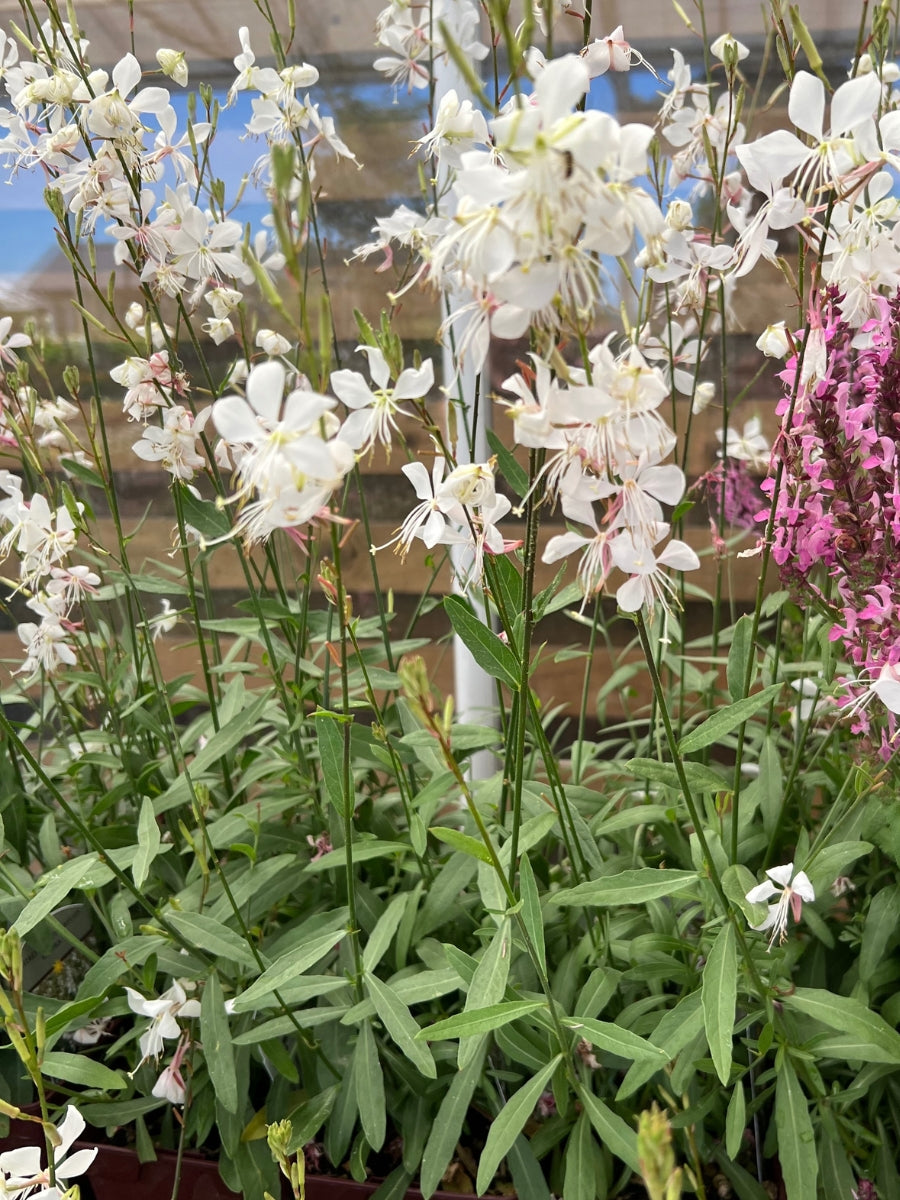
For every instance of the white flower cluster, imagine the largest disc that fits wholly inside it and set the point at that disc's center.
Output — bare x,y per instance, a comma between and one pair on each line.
410,34
43,538
21,1173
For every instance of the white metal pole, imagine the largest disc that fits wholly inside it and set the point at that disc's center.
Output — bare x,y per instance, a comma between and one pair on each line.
475,692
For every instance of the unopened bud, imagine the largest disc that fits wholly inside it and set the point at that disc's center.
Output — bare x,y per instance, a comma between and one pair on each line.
774,342
174,65
679,215
662,1178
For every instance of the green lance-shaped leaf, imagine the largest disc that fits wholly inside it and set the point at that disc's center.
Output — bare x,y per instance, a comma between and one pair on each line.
487,986
479,1020
217,1048
735,1121
149,841
483,644
531,909
86,1072
796,1140
580,1181
719,998
848,1016
369,1087
447,1125
615,1039
52,890
509,1122
209,934
286,968
400,1024
617,1136
627,887
726,720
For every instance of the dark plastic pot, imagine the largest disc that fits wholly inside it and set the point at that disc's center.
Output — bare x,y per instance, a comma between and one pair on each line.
116,1174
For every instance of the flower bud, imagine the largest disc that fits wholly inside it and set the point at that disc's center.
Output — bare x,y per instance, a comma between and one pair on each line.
729,50
272,343
679,215
774,342
134,315
174,65
703,396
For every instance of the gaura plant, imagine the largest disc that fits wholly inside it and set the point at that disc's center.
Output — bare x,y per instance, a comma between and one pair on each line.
336,921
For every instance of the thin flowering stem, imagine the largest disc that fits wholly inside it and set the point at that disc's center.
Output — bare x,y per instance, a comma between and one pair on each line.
516,745
767,543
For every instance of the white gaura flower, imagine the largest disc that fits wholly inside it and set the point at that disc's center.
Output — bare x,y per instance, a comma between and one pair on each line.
162,1012
9,343
648,585
749,446
374,410
21,1172
110,114
170,1085
458,127
887,687
831,155
284,449
794,890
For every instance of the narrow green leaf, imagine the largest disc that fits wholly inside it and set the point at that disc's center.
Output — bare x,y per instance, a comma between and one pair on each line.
76,1010
479,1020
369,1087
627,887
461,841
309,1117
838,1181
676,1029
508,1124
400,1024
383,933
208,934
78,1068
796,1140
700,778
737,881
597,992
148,843
849,1016
365,850
727,719
330,743
487,987
227,738
579,1180
719,998
735,1121
617,1136
771,783
483,644
217,1048
531,909
447,1126
514,474
205,516
887,1176
52,890
286,968
739,656
833,861
882,923
615,1039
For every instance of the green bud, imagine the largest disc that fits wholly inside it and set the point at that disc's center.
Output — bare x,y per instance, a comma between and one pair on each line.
54,200
662,1178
